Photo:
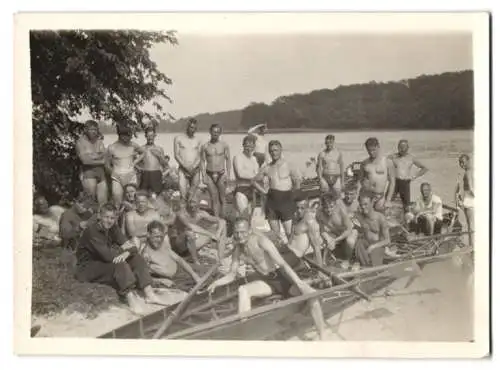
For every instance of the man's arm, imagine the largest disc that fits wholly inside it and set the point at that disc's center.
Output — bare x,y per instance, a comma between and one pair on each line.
203,163
269,247
296,178
347,222
177,151
422,168
231,275
108,163
392,181
385,237
319,165
184,265
260,177
86,157
104,251
363,176
342,170
227,157
130,228
313,232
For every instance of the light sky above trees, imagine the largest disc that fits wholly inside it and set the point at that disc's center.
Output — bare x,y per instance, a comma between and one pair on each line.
214,73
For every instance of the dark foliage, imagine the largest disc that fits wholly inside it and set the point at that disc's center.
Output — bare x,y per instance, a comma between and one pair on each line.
108,74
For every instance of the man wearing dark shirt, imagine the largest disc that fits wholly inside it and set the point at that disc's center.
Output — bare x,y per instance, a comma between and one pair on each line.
104,256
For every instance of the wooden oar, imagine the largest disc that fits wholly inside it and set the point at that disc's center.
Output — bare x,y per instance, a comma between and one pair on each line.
182,306
337,279
390,266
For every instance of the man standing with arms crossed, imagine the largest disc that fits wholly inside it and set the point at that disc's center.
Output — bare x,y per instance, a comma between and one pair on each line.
90,150
187,153
403,163
377,175
216,169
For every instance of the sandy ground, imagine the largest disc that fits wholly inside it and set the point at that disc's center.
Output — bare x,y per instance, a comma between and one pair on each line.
437,306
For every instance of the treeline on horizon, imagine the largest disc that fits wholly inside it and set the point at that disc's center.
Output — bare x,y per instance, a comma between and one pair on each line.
427,102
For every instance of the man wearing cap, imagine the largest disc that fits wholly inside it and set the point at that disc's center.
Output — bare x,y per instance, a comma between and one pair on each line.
90,150
260,152
120,160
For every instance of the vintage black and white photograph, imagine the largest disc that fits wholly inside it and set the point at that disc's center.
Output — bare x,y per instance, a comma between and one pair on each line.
286,183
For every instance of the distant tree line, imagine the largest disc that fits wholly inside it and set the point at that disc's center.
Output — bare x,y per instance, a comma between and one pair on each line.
441,102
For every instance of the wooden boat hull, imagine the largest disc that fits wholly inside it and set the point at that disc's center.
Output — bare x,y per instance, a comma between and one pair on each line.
215,317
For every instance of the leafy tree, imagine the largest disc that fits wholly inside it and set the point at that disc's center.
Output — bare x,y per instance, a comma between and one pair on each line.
108,74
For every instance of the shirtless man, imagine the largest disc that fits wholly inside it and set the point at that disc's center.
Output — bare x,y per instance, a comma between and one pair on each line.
46,220
374,233
136,221
187,153
151,165
337,229
330,166
276,275
245,169
216,168
403,163
260,143
377,175
193,232
305,233
163,262
464,193
283,181
120,160
90,150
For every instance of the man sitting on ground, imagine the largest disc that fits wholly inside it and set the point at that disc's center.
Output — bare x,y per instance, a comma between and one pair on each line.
193,233
105,256
74,221
427,217
374,233
46,220
136,221
337,228
161,259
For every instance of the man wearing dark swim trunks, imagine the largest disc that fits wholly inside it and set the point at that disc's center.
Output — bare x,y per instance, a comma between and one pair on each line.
151,165
276,276
284,180
216,168
403,163
90,150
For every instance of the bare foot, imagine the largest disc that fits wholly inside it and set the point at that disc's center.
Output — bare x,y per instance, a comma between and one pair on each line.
134,303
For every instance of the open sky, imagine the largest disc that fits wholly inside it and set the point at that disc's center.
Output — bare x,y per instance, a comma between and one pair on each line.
214,73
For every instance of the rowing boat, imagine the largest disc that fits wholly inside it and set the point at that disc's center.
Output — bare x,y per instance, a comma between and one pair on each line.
215,316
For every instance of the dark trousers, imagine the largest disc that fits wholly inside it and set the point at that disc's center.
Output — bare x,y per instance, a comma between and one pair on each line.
134,273
420,226
402,187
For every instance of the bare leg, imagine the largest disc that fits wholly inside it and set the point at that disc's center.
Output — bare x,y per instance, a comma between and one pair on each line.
89,186
221,190
134,303
255,289
117,192
221,245
287,225
323,185
214,196
469,217
102,193
151,296
183,184
194,183
275,227
316,313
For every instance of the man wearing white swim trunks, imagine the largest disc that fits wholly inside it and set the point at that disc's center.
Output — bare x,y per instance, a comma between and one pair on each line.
464,193
120,160
330,167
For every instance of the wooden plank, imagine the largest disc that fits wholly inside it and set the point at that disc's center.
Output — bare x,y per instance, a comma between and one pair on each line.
180,308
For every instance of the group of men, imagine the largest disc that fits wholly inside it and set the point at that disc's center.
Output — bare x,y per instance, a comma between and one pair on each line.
127,243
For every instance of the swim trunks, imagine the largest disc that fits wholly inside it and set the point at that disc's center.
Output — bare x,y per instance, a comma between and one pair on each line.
403,188
125,178
292,260
468,201
280,205
90,171
279,282
215,175
152,181
247,190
